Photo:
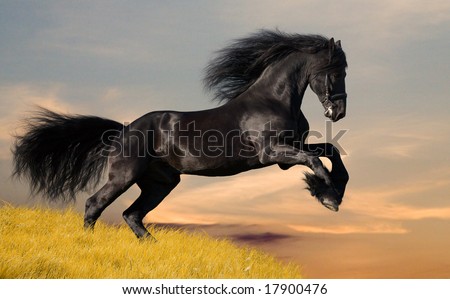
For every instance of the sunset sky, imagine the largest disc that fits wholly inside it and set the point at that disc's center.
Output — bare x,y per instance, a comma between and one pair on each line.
121,59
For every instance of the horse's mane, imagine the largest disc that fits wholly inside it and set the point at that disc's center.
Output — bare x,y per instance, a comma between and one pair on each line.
238,65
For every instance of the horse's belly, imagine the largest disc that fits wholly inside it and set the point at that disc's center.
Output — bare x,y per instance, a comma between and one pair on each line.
225,169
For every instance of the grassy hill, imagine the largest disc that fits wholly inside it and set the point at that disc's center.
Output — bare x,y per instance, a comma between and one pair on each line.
44,243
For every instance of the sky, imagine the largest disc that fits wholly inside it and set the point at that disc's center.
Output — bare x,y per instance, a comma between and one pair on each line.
121,59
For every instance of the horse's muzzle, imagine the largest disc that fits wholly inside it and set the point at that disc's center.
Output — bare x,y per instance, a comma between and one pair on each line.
336,111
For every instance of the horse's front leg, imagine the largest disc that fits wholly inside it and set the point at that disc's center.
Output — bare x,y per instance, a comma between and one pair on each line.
339,174
320,184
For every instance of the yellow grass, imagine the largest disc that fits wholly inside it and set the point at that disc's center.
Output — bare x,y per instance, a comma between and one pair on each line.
43,243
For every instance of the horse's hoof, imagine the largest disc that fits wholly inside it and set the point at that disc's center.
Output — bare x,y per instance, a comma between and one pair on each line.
325,194
330,204
89,226
147,238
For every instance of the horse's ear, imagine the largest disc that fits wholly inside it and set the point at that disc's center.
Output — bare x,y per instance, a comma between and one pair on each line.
338,44
331,46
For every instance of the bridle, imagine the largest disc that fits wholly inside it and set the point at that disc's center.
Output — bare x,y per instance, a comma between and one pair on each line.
328,100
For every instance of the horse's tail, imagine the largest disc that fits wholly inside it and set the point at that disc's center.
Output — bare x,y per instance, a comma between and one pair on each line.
63,154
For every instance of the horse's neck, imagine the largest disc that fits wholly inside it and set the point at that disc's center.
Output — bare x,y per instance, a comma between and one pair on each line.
285,81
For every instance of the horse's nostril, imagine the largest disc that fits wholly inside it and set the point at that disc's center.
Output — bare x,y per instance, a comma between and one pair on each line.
328,112
339,116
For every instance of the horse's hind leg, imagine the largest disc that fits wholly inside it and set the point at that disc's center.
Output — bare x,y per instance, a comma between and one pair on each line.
120,180
98,202
154,188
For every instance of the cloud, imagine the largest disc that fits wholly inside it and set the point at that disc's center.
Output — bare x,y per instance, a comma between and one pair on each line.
88,31
380,23
377,207
394,201
378,228
16,100
271,196
238,198
403,136
145,34
258,238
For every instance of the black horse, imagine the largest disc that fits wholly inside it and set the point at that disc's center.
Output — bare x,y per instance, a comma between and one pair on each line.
261,78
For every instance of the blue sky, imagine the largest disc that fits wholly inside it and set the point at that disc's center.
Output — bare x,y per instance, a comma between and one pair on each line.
121,59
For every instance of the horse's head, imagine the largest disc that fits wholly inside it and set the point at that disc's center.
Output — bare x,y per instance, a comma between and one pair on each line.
328,80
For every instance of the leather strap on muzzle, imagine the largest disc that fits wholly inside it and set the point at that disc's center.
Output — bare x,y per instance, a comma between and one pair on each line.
328,100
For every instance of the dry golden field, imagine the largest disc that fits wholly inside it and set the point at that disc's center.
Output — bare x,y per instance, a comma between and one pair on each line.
45,243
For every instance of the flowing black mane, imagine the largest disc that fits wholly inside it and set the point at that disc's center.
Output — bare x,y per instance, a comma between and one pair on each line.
237,66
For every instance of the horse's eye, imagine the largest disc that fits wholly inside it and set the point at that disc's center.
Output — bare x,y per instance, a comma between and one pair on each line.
336,76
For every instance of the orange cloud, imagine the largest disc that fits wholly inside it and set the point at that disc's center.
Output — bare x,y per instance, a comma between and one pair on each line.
384,204
378,228
16,100
399,137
